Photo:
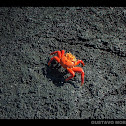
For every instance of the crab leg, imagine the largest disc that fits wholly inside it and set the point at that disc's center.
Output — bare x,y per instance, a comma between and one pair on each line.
79,61
54,58
79,70
58,53
62,52
71,72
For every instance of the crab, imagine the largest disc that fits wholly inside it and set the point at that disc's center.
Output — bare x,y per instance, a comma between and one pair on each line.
68,61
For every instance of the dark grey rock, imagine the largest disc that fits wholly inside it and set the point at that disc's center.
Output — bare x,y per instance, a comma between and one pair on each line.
30,89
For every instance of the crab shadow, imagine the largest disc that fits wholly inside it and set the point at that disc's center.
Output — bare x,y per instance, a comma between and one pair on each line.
57,74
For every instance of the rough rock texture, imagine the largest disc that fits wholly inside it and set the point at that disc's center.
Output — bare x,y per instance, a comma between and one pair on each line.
30,89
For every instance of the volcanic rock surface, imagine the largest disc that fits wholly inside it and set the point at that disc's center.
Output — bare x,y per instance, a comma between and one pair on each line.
30,89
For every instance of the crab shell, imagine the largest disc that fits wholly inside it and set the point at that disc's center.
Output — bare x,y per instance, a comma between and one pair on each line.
68,60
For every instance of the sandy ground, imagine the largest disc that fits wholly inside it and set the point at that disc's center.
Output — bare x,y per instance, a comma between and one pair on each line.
30,89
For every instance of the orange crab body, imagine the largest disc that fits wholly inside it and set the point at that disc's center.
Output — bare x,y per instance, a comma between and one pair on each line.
68,61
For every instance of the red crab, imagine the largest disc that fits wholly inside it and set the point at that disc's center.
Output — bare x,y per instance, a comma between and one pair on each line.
68,61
